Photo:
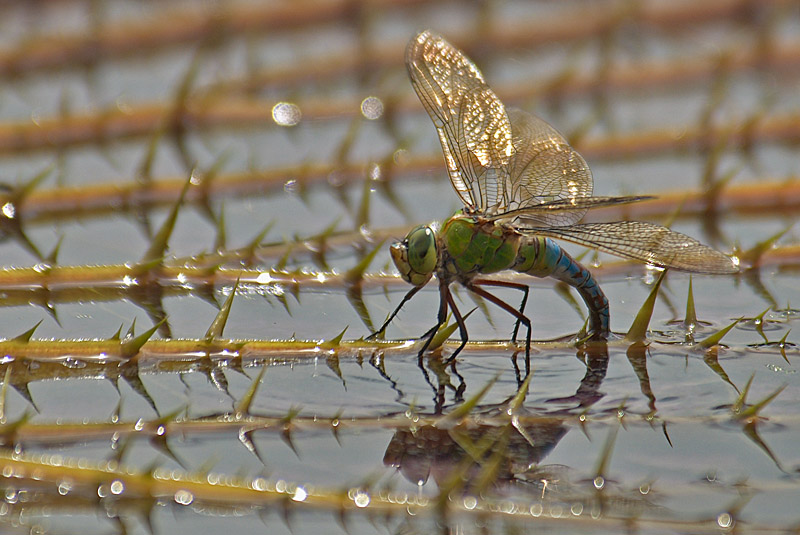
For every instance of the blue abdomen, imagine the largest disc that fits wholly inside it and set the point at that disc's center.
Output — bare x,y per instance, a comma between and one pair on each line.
543,257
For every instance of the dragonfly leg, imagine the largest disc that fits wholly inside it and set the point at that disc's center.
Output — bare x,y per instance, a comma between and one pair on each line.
524,288
472,286
444,298
462,327
406,298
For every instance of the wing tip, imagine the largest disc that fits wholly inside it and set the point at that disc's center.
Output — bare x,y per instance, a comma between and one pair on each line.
732,265
417,42
721,264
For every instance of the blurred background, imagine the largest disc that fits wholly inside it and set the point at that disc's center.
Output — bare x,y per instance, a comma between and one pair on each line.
306,152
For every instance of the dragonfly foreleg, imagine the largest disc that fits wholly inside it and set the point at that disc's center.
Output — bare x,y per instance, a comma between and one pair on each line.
473,286
444,298
524,288
405,299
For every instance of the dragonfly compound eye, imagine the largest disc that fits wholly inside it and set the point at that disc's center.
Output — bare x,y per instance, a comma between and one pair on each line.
422,250
415,256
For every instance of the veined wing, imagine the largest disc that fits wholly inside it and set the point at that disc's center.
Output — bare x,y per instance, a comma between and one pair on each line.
646,242
472,123
544,169
548,210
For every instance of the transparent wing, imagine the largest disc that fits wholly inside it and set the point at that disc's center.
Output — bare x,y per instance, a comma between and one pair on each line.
472,123
544,169
646,242
549,210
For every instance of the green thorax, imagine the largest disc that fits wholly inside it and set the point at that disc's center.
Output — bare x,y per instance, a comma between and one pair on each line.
470,245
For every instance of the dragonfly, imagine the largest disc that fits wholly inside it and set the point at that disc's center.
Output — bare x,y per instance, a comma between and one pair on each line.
522,185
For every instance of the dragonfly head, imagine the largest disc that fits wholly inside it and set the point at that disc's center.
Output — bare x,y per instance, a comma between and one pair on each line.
415,256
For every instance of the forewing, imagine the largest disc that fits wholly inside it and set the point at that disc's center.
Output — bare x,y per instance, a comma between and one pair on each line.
472,123
551,209
544,168
648,243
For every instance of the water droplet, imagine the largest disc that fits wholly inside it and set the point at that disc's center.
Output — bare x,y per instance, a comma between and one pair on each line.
335,179
375,172
139,425
73,363
576,509
291,186
725,520
275,289
536,510
470,502
286,114
361,499
160,430
41,267
102,491
11,495
599,482
184,497
372,108
9,210
196,177
780,369
400,156
300,494
117,487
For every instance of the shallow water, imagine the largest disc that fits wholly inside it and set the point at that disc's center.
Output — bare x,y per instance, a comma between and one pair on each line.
356,437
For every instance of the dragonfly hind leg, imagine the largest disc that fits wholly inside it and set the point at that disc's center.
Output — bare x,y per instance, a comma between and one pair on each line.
474,286
524,288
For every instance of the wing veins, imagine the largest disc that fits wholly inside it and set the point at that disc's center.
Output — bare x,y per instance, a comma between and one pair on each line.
645,242
472,123
565,205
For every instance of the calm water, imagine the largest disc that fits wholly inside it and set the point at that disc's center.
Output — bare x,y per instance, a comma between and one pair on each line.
655,426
